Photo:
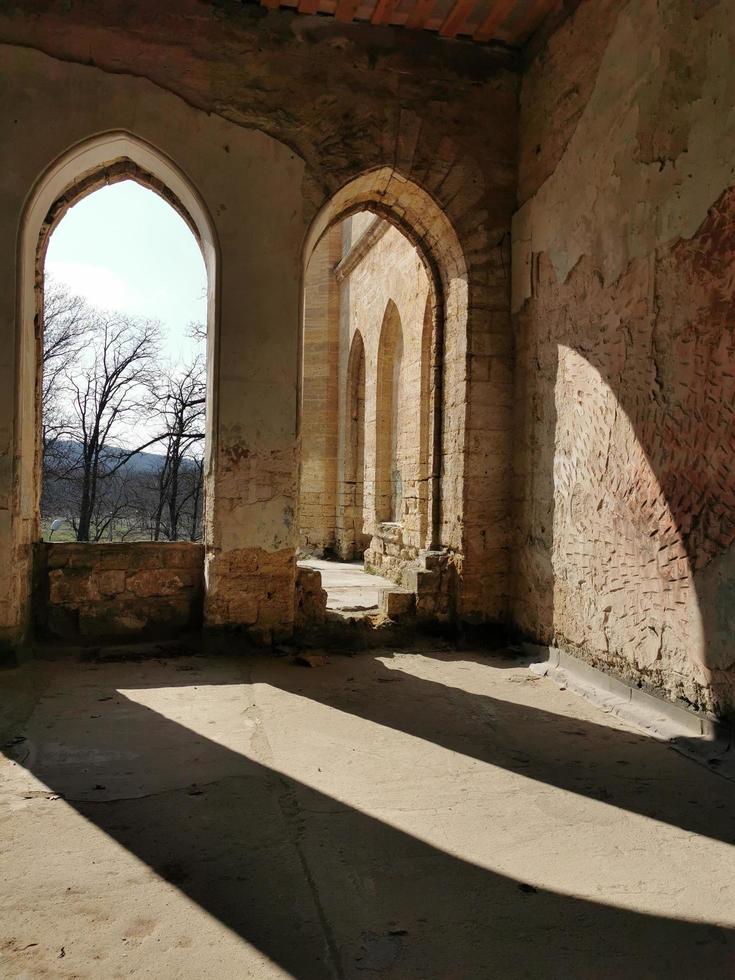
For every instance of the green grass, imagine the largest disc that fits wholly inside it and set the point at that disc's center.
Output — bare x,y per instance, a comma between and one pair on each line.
66,534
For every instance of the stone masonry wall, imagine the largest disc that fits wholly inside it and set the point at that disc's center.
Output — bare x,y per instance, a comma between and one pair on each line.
391,272
109,591
261,120
624,295
319,399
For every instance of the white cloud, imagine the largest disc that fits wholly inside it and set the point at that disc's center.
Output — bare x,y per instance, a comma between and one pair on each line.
100,286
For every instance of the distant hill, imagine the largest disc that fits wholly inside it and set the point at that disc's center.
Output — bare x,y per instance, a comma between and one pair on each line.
140,464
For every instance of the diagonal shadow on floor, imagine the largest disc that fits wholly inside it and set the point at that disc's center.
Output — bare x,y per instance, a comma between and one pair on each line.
569,753
326,891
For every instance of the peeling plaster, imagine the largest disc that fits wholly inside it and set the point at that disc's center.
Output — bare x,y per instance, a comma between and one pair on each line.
650,153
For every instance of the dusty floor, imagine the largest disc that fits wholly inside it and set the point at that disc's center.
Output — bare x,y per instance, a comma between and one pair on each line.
350,589
410,815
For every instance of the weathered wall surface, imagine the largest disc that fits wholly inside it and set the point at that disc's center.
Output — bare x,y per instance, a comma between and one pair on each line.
623,275
391,272
318,450
268,114
359,271
251,188
103,591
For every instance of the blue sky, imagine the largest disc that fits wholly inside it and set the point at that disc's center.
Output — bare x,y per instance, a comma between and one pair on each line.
124,248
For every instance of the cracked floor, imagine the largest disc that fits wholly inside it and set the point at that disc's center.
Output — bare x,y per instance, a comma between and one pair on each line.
404,815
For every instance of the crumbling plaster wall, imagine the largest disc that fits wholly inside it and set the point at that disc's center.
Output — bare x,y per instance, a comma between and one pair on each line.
623,276
268,114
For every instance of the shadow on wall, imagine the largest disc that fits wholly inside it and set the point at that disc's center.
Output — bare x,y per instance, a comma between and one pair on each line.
630,390
310,892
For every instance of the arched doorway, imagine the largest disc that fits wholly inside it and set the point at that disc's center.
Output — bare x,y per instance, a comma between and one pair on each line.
401,283
405,205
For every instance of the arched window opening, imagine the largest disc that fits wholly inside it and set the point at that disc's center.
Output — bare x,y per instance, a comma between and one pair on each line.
122,318
389,446
355,451
370,304
426,383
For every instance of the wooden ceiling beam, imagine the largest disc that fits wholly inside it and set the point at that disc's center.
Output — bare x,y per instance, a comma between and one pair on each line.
456,18
383,11
420,14
346,10
489,27
499,21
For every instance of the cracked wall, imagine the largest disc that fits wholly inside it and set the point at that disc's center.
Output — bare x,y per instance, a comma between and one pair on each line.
623,274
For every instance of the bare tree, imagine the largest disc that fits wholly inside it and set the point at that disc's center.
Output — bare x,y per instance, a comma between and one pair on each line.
66,324
108,395
114,514
104,383
196,476
179,396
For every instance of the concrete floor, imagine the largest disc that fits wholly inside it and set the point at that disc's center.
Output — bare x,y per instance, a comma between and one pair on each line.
351,591
416,815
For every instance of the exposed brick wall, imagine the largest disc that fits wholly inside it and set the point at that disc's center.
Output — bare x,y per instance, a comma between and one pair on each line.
99,591
624,287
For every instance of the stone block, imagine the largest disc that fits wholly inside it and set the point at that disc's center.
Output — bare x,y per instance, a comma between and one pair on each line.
243,610
63,622
159,582
309,580
425,606
420,580
434,560
397,603
56,557
70,587
112,620
109,583
138,617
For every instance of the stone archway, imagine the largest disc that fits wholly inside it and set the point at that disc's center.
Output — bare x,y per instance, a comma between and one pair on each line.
102,160
418,216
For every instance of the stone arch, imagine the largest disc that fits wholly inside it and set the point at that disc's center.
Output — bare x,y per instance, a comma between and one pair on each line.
104,159
409,207
388,491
